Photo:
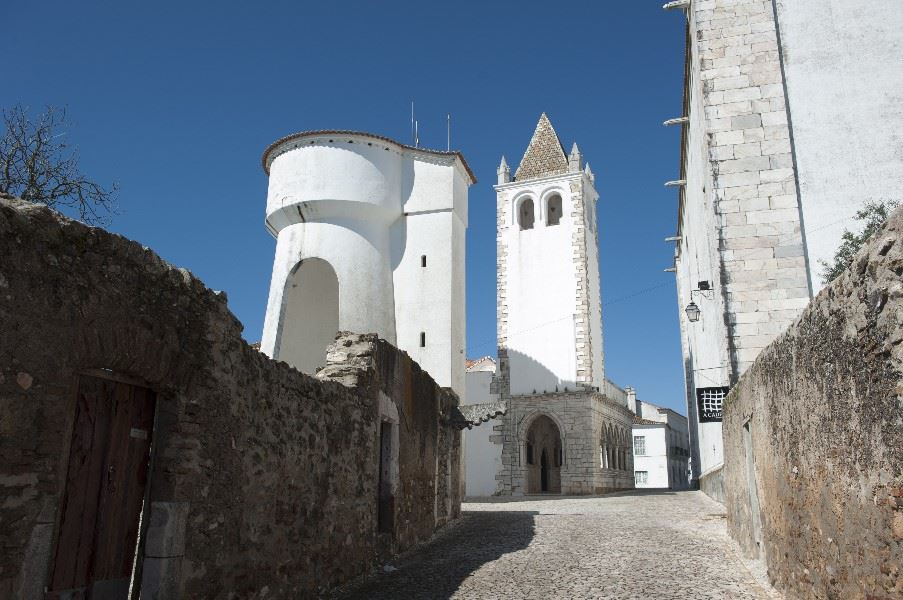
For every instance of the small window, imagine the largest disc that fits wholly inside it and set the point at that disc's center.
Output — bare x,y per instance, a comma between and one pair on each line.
525,215
553,214
642,477
529,453
423,339
423,261
639,445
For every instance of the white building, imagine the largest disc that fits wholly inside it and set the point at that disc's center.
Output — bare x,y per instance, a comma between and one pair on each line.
661,446
791,122
482,445
562,433
370,238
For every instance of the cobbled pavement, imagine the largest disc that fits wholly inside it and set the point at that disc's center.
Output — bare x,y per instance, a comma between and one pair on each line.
632,545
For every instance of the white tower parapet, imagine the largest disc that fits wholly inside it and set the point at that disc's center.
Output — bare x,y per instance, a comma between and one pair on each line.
370,238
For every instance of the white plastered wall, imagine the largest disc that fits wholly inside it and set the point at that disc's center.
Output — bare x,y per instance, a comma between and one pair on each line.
704,343
371,209
843,67
482,454
655,460
541,290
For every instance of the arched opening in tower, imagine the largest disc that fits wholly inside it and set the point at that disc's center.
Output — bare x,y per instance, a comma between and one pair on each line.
553,212
543,445
525,216
310,319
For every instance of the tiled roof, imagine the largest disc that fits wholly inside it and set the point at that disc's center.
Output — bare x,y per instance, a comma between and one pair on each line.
640,421
265,159
545,155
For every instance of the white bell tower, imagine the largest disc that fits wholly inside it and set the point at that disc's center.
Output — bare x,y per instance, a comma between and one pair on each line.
549,302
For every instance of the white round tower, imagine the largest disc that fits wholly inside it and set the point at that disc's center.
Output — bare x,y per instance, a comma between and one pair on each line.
343,206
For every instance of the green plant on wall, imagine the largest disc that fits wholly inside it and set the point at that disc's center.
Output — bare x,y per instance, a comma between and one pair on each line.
873,214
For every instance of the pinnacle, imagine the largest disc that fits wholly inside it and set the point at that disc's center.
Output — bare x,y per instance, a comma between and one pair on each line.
545,154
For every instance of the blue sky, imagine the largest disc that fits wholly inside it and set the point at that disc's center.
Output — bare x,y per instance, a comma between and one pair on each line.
176,102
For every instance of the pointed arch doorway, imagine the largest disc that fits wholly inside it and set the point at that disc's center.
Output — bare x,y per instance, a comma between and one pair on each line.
544,456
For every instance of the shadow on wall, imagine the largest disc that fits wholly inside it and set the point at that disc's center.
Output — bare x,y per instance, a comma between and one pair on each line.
438,569
530,374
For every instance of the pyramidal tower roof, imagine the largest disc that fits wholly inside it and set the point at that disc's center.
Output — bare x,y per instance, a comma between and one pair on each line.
545,155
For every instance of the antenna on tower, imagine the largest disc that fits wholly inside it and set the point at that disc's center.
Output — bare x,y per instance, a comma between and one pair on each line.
448,142
416,134
413,130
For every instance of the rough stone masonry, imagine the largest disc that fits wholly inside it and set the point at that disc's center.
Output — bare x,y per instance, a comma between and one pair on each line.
813,438
263,481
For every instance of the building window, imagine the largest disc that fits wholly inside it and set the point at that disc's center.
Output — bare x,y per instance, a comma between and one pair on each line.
423,261
529,453
553,213
710,402
642,477
423,339
639,445
525,215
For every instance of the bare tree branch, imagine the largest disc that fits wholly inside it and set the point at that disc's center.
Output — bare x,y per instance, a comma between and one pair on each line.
36,164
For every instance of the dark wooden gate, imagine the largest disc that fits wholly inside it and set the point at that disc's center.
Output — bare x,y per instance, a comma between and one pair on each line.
104,494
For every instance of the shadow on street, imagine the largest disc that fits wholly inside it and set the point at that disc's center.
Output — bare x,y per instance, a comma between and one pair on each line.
437,569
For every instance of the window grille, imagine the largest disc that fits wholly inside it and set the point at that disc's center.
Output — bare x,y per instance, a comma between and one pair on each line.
641,477
639,445
710,402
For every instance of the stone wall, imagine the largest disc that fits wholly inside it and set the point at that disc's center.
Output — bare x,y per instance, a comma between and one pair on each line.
763,267
263,481
813,437
588,423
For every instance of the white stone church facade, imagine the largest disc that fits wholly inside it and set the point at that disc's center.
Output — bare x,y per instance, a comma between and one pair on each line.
567,429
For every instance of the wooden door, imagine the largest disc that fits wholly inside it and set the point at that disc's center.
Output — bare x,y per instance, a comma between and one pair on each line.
104,492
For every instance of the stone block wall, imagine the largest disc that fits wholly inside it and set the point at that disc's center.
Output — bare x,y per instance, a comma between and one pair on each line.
763,265
813,436
584,420
263,480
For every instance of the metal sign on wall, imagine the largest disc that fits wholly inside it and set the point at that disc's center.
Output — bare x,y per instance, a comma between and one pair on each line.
710,402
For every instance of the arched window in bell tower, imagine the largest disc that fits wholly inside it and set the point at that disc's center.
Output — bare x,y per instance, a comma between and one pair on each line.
553,210
525,217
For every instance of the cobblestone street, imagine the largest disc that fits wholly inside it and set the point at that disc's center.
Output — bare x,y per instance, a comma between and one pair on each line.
633,545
